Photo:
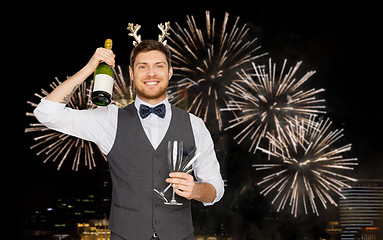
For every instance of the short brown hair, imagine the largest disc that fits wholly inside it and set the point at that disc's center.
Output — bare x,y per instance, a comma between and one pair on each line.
149,45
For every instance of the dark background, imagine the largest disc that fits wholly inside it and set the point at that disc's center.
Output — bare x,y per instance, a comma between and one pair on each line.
342,43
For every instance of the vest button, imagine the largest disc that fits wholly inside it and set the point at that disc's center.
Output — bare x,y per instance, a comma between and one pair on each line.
156,222
157,172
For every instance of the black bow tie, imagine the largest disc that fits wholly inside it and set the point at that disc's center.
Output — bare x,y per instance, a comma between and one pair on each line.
159,110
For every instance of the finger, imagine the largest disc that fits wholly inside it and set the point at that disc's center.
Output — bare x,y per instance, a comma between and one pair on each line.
105,51
181,193
105,55
178,181
181,182
180,175
184,188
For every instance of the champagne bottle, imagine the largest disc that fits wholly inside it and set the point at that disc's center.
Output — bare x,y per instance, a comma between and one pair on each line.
103,81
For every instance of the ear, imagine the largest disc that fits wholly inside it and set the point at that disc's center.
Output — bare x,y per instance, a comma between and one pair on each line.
131,75
170,72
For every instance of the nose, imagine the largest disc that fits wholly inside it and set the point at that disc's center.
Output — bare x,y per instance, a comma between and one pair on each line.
151,72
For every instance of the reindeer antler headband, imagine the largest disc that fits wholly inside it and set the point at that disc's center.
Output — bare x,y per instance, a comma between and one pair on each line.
161,37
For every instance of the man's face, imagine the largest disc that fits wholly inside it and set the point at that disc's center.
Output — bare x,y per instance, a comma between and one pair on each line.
151,75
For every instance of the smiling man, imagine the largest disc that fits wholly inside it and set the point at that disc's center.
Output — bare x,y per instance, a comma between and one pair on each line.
134,139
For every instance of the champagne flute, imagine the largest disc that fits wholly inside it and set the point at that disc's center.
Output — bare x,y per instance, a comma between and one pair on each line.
175,152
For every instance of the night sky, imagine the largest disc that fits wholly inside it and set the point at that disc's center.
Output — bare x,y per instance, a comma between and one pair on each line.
342,44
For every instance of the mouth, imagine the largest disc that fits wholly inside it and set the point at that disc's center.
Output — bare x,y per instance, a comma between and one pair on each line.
151,83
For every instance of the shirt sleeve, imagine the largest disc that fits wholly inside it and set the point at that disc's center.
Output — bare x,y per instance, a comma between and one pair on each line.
96,125
206,167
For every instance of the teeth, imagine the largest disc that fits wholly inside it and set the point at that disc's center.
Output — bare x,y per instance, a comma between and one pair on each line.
151,83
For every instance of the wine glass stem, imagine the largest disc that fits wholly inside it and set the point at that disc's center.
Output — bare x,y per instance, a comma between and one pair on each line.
167,188
173,197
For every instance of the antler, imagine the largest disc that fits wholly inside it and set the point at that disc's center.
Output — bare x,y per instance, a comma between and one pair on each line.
164,31
134,29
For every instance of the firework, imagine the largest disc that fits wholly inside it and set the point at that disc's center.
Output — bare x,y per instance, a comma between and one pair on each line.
308,167
123,90
264,102
55,144
207,59
59,146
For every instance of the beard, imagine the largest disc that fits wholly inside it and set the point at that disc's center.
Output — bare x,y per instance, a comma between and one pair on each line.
143,92
152,95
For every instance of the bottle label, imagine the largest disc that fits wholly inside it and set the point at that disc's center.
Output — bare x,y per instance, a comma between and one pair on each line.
103,82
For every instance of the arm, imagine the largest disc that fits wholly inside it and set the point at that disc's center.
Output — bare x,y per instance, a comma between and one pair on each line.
96,125
64,91
209,187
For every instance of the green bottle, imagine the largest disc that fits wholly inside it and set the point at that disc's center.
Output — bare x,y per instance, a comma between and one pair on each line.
103,81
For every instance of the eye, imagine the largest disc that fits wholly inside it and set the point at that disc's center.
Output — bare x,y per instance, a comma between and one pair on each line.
142,67
160,66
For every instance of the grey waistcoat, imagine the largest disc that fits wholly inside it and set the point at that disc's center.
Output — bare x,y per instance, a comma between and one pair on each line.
136,169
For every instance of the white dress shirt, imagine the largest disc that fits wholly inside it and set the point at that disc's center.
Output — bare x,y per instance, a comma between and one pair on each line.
100,126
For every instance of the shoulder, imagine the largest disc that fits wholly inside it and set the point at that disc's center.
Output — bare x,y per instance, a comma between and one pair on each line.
111,108
180,113
128,109
101,113
196,121
199,128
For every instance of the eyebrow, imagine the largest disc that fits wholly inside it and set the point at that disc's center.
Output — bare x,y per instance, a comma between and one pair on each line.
148,63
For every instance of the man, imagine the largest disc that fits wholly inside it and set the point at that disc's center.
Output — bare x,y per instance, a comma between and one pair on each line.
135,144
